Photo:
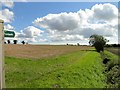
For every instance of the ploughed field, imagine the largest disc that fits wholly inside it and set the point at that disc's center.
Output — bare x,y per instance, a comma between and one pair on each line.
40,51
115,50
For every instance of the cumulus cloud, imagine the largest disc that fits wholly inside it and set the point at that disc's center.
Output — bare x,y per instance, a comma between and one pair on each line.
30,32
7,3
7,15
101,29
62,21
100,19
105,12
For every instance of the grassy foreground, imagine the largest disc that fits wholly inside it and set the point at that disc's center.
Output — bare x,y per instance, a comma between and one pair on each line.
83,69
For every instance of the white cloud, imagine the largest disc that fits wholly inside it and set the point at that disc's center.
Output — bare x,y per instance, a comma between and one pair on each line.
105,12
7,3
75,26
102,29
8,27
30,32
7,15
30,40
62,21
85,16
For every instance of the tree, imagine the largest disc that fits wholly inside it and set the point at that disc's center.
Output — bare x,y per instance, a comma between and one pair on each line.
98,42
23,42
8,41
15,41
78,44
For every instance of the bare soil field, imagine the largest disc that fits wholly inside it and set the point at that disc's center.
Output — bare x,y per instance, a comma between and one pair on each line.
114,50
40,51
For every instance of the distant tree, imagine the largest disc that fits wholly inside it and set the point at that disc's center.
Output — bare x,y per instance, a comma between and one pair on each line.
23,42
118,45
115,45
15,41
8,41
67,44
78,44
98,42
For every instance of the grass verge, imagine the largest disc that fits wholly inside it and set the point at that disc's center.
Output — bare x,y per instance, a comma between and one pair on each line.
81,69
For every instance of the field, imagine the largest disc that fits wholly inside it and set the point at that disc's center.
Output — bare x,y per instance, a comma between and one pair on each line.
114,50
34,66
40,51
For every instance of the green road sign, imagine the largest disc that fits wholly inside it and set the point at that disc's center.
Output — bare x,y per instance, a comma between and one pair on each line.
9,33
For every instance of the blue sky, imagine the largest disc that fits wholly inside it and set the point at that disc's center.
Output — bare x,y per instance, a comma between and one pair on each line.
28,12
69,22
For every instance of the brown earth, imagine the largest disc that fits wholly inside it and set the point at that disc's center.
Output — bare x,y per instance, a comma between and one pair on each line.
40,51
115,50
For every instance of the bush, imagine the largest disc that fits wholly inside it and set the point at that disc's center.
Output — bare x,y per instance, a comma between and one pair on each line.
113,74
112,67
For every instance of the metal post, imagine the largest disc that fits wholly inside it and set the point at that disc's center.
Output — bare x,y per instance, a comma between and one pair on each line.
2,71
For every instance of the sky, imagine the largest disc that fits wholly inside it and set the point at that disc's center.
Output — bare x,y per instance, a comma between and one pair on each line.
60,22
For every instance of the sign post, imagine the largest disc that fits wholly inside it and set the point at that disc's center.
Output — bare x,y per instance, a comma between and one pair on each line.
3,33
2,69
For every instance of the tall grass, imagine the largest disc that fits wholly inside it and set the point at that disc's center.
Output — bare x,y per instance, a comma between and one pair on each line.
81,69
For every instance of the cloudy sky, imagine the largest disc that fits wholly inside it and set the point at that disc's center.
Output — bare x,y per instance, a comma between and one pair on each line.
60,22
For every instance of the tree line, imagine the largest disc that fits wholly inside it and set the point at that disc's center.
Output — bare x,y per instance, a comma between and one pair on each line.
112,45
15,42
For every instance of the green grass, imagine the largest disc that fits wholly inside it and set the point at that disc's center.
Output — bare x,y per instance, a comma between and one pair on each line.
81,69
